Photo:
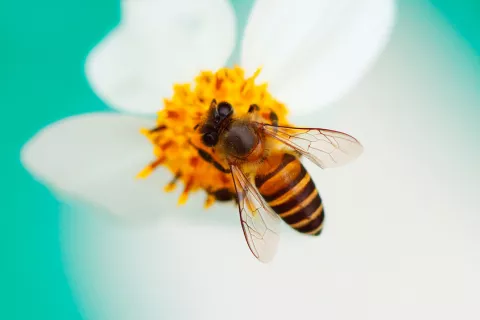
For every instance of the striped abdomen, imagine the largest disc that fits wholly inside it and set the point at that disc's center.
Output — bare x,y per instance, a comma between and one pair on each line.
291,193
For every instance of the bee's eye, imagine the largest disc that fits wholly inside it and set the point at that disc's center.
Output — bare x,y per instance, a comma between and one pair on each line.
210,139
224,109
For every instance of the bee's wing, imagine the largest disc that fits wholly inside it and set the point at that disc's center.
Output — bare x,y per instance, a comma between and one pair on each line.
260,224
326,148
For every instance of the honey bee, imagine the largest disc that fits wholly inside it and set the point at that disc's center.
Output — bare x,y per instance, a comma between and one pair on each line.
270,181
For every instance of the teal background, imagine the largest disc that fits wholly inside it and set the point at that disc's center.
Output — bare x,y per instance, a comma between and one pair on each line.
44,45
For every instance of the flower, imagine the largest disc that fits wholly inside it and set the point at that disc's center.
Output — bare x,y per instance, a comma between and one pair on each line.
311,53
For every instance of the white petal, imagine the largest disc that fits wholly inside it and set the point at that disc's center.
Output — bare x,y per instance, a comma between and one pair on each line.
158,43
313,52
95,157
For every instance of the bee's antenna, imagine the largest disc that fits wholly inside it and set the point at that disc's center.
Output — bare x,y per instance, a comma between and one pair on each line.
213,104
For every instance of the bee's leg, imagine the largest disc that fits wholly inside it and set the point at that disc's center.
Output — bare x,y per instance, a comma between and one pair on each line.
223,194
253,108
273,118
207,157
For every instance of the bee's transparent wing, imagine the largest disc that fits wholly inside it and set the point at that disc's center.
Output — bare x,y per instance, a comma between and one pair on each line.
260,224
326,148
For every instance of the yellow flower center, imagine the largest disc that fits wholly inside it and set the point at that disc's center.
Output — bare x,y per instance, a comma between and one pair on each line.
176,122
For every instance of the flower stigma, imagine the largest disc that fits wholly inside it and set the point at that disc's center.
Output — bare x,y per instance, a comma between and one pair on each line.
175,129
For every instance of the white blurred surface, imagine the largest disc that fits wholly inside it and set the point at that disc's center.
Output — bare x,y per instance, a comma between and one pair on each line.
401,235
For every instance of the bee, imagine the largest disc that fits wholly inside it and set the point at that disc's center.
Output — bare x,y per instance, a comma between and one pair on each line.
271,184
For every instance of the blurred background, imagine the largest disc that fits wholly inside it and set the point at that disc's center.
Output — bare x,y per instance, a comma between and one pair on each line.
418,109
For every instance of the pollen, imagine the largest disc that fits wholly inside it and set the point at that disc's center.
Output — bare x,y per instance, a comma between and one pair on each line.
175,129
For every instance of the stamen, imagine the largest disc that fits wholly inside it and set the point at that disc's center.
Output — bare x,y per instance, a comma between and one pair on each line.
149,169
184,196
158,128
209,201
172,185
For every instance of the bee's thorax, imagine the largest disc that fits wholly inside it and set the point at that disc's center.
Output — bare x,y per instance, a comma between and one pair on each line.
242,141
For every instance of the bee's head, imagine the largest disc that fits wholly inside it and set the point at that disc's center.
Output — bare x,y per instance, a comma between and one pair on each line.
214,123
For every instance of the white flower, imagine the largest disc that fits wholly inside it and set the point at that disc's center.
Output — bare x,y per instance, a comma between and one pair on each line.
311,52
